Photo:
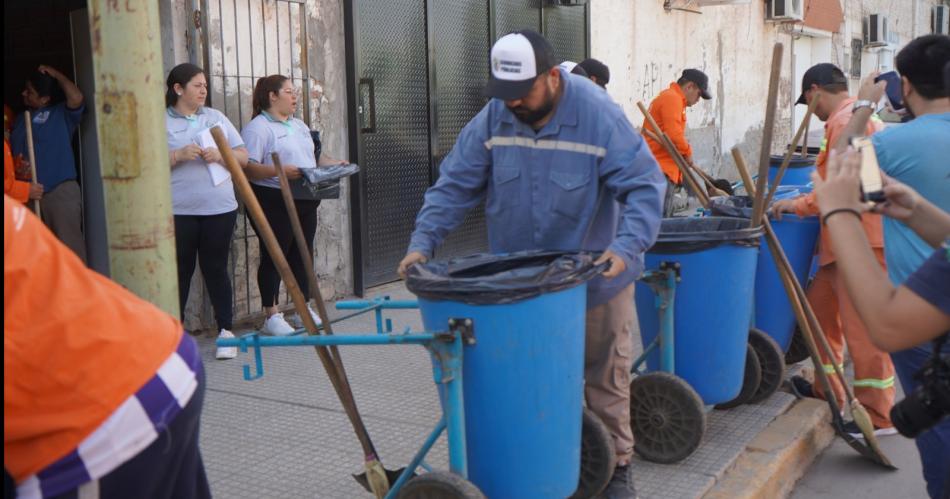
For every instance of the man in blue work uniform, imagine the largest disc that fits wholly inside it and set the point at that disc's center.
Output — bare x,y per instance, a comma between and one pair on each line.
560,168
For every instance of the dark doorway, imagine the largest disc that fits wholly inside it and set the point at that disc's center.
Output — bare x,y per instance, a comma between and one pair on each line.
416,72
56,33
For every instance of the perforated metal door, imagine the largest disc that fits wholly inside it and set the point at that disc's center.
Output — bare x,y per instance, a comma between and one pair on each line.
394,129
512,15
566,28
460,50
419,67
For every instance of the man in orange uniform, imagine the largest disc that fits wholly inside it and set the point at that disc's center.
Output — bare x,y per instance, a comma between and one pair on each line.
102,391
873,370
669,111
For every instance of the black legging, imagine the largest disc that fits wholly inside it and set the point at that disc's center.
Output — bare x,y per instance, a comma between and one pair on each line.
206,239
268,279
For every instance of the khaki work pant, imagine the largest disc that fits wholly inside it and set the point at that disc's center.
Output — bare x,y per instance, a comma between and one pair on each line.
873,370
607,363
62,213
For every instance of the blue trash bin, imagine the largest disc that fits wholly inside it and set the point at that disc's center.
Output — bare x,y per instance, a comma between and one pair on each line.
798,237
713,304
524,378
798,171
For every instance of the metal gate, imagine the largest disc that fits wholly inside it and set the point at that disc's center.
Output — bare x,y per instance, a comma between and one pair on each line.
243,40
416,73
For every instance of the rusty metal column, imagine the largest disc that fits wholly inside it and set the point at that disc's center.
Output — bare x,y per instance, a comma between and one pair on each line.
133,150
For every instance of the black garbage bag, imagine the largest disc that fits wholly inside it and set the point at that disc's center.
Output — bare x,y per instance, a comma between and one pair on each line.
487,279
689,235
323,183
732,206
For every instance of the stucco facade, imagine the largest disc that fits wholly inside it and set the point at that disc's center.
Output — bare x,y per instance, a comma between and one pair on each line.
647,46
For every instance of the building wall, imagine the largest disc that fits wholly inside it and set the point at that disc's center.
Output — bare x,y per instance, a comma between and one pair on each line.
647,47
326,68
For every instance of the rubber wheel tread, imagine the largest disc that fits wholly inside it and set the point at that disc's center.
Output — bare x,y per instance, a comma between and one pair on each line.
439,485
772,360
750,380
598,458
667,417
797,349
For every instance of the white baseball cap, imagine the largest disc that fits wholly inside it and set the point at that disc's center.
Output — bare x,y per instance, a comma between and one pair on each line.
517,59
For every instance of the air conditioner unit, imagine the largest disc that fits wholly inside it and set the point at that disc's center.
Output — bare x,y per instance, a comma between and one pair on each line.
940,20
875,31
784,10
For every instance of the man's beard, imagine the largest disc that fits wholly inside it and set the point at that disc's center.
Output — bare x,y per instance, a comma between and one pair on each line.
529,116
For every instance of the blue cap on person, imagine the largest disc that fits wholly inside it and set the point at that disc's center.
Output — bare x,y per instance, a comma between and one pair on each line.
517,59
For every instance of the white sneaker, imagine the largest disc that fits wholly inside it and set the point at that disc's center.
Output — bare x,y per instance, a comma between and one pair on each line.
276,325
315,315
225,353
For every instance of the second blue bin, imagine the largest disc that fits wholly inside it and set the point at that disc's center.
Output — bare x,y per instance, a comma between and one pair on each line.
717,257
797,236
798,171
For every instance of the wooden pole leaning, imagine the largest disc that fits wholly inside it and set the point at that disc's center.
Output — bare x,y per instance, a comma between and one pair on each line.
767,132
788,154
31,155
374,470
710,185
811,329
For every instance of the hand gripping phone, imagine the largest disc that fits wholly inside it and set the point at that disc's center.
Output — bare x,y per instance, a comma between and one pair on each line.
872,183
892,91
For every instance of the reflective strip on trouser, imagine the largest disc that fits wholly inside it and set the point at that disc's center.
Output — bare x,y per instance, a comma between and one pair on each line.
873,370
880,384
830,368
559,145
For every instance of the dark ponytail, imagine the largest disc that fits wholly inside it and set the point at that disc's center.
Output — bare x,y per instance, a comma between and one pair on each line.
265,86
180,74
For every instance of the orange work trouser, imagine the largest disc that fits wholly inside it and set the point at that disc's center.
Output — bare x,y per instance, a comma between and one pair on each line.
873,370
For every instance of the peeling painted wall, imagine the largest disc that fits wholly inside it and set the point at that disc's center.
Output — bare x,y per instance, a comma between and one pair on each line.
647,48
253,39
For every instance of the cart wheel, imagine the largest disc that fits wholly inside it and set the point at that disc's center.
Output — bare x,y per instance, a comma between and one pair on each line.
750,381
598,457
797,350
772,360
666,416
439,485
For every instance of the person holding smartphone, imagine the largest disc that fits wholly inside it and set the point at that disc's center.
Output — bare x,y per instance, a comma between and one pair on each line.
915,154
873,370
905,318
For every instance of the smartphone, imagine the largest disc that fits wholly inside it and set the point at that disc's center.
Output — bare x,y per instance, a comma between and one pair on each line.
872,183
892,91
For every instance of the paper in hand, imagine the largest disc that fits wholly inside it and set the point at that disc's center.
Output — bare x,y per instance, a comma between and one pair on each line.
219,174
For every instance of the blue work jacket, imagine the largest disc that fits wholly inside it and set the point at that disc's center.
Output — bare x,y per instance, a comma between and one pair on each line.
585,182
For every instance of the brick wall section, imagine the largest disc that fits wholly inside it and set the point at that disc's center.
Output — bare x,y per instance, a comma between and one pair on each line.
824,14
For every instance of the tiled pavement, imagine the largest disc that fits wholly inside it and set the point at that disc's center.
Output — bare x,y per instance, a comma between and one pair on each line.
286,436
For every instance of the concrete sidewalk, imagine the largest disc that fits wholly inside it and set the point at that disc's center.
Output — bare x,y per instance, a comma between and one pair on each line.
286,435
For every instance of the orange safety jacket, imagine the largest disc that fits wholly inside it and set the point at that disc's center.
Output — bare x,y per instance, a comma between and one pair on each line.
669,111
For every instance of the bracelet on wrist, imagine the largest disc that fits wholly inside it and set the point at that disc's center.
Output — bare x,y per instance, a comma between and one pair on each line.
826,216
